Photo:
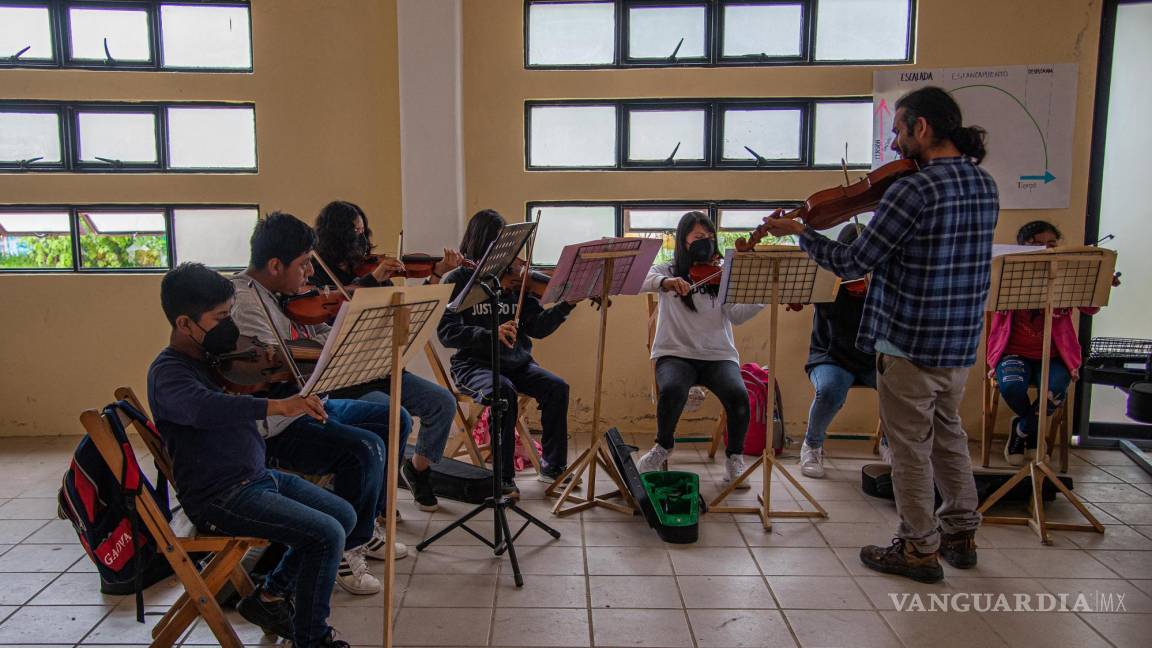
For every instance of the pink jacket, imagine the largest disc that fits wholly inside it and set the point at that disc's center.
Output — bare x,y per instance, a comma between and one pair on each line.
1063,336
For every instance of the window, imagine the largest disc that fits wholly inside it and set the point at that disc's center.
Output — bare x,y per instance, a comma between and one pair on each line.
195,35
30,138
212,138
571,33
565,223
118,237
669,33
116,137
572,136
26,34
698,134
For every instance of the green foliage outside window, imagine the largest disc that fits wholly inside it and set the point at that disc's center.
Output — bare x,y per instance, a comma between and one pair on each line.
96,252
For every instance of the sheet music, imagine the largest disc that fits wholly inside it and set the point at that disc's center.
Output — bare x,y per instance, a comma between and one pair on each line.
577,278
747,277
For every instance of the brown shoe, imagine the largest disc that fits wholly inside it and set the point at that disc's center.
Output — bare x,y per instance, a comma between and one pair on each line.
901,559
959,549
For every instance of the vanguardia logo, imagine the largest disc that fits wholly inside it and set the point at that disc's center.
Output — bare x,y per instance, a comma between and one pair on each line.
1018,602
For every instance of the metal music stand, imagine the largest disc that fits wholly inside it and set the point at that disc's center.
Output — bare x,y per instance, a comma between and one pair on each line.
484,285
776,275
597,269
1072,277
373,336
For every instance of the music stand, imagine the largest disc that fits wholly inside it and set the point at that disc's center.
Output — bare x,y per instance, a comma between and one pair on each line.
775,275
1069,277
615,266
373,336
484,285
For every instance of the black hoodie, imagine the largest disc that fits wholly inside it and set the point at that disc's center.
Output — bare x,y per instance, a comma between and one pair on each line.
469,331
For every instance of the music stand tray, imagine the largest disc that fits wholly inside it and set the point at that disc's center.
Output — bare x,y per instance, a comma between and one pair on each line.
1046,279
597,269
773,275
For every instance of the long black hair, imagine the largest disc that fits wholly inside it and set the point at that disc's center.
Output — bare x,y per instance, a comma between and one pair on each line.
1033,228
942,113
482,229
337,242
681,261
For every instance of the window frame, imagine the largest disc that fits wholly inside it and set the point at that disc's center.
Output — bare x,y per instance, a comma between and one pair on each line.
60,29
74,215
62,130
714,38
714,109
70,136
710,207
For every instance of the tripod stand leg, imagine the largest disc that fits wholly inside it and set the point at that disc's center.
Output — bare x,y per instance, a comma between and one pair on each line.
508,545
534,520
452,527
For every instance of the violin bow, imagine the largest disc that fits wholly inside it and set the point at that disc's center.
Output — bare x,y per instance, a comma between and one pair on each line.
324,266
527,273
272,327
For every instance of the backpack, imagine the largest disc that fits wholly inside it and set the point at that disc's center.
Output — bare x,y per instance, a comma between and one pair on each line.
480,435
756,381
103,513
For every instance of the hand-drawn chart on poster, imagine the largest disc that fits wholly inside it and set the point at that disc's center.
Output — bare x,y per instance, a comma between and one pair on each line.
1029,112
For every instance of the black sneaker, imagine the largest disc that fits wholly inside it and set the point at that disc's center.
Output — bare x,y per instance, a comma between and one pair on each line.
959,549
273,617
901,559
420,483
549,475
330,641
1016,444
508,487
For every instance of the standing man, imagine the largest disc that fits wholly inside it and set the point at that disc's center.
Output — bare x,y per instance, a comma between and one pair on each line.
929,249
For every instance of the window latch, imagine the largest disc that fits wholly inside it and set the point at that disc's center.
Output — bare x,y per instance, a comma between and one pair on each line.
672,158
17,55
677,50
25,164
760,159
115,163
108,53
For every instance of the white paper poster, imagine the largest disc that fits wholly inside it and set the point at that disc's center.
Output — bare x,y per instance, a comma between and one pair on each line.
1029,112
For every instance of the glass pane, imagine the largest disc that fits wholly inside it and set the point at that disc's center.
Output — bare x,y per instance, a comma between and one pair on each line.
657,219
861,30
771,134
834,231
212,138
205,37
654,134
735,223
657,32
124,32
560,226
111,240
24,136
25,27
31,240
580,136
123,136
762,30
571,34
214,237
840,124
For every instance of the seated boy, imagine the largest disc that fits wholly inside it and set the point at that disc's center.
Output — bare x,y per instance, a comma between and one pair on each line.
218,461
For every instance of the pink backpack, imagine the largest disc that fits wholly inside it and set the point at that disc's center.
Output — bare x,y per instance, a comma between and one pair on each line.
762,409
480,436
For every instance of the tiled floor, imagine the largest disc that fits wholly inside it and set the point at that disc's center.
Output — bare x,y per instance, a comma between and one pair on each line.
609,581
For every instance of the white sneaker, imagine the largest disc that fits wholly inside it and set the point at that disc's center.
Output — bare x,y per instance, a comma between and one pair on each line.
885,451
653,460
377,547
811,461
353,574
733,468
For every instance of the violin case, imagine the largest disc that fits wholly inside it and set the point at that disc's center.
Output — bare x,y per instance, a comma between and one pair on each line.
459,481
876,480
669,500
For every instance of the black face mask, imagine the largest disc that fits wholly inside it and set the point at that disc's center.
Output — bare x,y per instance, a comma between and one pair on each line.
702,250
221,339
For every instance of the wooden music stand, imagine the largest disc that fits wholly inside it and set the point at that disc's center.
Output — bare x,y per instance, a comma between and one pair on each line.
597,269
773,275
1068,277
373,336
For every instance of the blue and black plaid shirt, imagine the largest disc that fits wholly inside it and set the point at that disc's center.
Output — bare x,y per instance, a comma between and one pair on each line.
929,249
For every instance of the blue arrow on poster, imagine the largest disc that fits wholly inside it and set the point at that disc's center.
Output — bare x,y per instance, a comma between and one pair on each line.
1047,177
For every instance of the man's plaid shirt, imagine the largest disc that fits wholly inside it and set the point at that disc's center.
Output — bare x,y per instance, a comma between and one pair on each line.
929,249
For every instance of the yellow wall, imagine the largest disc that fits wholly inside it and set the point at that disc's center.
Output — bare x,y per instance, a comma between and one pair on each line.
327,126
949,34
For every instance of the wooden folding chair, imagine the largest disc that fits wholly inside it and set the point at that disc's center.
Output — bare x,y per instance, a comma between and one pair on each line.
468,412
1058,435
200,586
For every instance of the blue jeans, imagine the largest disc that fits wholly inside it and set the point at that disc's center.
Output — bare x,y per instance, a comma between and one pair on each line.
312,522
832,383
428,401
351,446
1015,374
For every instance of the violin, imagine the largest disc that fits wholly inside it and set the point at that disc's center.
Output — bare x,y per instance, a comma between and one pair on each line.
830,207
254,366
706,274
417,265
513,279
316,306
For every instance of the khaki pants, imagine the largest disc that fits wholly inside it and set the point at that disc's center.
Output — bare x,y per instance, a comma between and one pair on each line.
920,415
